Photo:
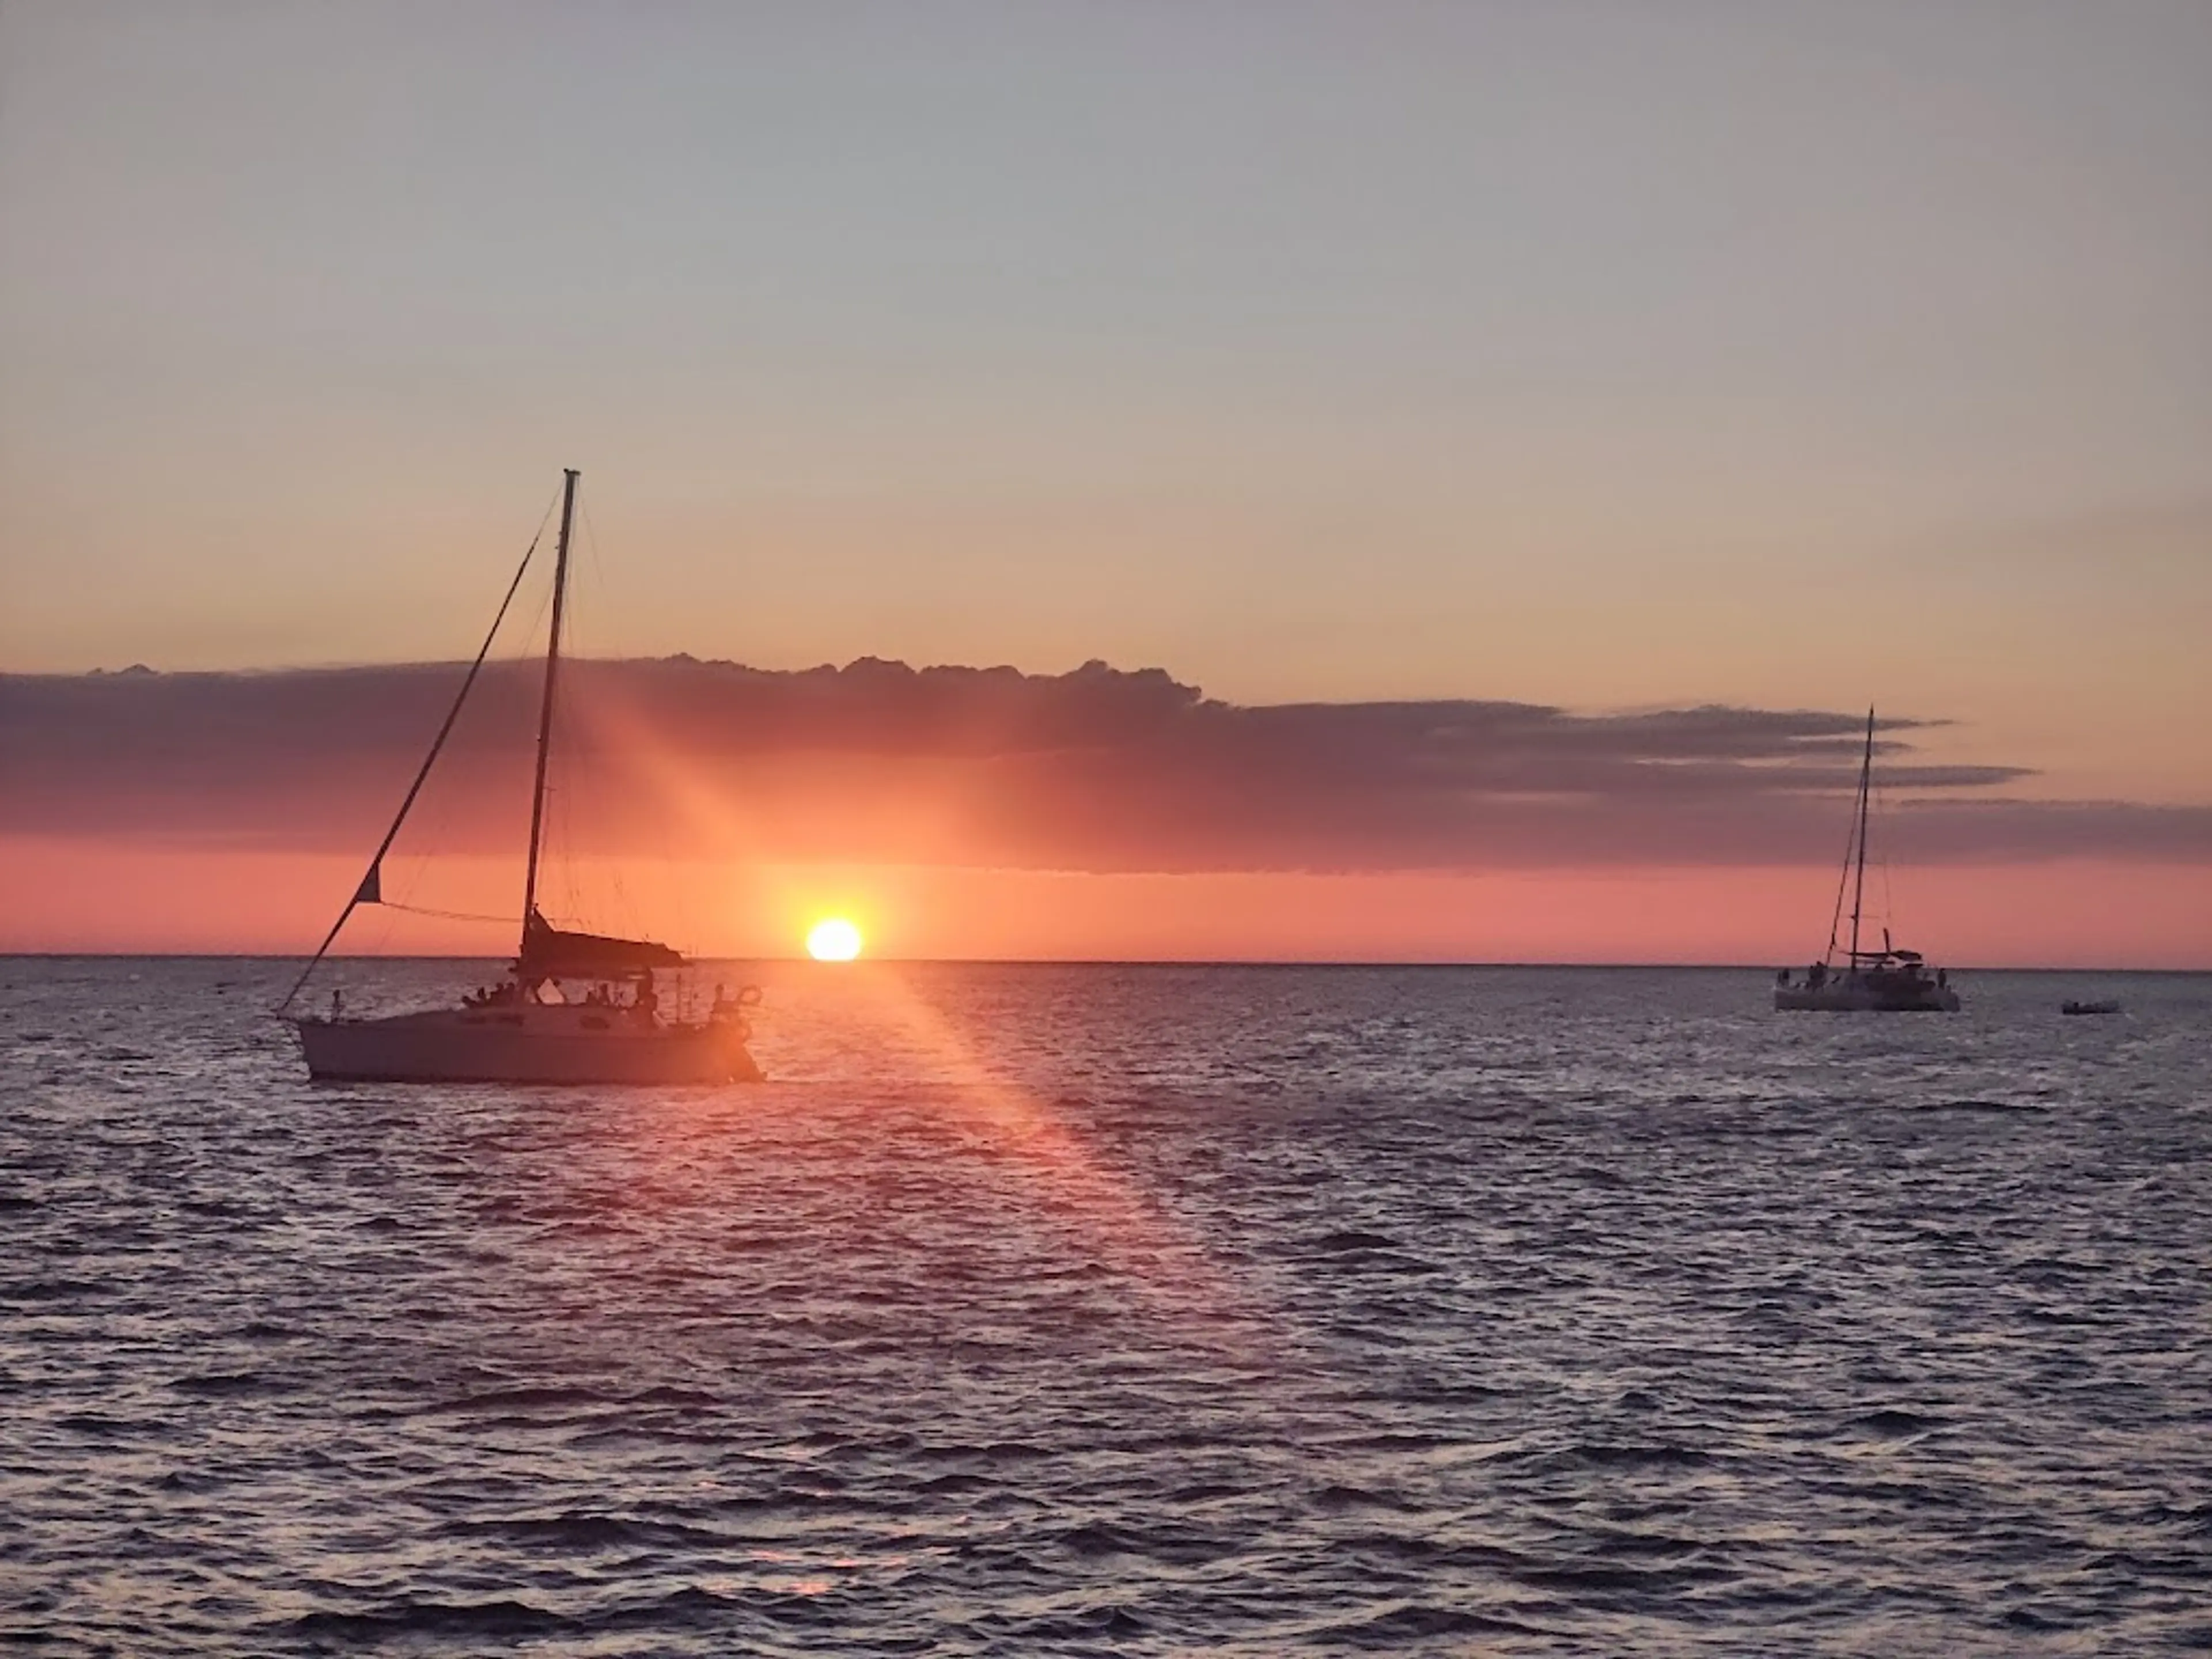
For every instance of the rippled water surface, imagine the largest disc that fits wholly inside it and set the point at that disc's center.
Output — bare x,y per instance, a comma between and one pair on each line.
1064,1310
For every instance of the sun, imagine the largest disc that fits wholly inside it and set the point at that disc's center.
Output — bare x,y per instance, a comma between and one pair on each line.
835,939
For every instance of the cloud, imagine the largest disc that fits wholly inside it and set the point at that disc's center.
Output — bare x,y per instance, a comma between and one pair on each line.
1098,770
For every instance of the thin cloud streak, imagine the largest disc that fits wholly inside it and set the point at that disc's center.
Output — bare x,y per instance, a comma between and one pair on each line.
1098,769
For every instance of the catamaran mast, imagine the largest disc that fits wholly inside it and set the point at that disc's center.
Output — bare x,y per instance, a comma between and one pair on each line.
1866,782
545,709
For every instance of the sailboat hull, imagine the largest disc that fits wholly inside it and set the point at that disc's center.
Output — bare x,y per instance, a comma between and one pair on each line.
1852,996
527,1044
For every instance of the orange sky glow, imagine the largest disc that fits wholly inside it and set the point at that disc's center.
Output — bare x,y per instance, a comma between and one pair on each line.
1501,452
75,896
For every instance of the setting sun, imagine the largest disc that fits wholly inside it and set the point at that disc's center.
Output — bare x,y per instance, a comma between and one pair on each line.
834,941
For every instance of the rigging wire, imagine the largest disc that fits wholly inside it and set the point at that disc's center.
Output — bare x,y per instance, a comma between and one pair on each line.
1843,881
627,908
592,546
563,779
379,935
1888,902
448,915
369,889
434,814
538,623
581,770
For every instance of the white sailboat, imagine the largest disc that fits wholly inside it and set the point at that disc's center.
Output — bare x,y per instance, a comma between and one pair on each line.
1889,981
575,1007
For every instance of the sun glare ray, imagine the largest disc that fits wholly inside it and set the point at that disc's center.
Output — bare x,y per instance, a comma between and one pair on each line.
1163,1255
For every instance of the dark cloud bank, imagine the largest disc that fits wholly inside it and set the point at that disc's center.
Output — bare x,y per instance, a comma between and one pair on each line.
1096,769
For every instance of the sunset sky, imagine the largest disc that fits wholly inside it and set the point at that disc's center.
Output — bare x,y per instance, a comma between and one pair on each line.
1525,438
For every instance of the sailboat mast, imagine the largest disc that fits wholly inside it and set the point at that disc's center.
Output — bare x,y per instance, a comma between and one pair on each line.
545,705
1866,784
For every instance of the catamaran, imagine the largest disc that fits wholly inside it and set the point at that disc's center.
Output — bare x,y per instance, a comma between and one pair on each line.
575,1007
1889,981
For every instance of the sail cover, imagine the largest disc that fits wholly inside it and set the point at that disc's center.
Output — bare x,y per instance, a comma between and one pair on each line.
549,952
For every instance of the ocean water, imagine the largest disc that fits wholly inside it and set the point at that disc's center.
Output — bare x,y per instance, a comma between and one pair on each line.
1118,1310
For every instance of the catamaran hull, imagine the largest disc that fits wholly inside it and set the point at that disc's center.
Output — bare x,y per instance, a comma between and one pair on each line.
440,1047
1845,999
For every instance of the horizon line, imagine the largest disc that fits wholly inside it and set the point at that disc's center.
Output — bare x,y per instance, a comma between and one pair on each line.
1088,962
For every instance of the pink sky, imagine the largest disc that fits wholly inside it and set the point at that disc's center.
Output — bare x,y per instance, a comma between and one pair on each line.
106,896
958,812
1443,389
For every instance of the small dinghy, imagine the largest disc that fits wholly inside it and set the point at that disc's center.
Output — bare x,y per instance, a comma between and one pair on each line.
2106,1007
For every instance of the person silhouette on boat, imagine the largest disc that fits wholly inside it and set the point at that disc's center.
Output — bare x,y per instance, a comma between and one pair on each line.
647,1003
